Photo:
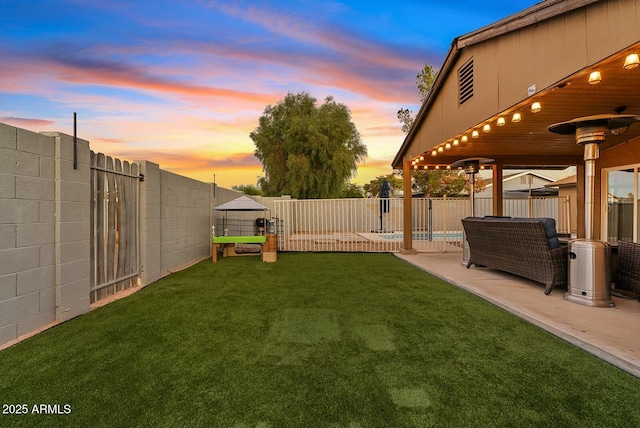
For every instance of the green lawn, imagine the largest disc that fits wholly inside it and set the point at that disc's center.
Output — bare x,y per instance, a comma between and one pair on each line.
335,340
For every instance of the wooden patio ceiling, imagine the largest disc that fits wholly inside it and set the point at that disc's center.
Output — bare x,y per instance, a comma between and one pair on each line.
529,143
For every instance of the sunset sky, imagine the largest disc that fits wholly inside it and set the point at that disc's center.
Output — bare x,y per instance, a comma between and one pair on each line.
183,83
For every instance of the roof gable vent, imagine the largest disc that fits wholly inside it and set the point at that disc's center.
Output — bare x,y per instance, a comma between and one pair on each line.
465,81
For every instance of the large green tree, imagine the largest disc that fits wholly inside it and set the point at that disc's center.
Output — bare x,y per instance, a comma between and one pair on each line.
436,183
352,190
306,150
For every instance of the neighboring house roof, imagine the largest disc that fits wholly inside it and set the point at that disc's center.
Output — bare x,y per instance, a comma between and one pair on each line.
564,182
509,177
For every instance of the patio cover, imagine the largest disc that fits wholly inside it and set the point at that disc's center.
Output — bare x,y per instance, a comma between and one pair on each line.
243,203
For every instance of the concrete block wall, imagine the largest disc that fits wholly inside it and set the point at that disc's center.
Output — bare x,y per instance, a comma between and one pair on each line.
73,226
175,222
149,223
44,261
27,247
185,221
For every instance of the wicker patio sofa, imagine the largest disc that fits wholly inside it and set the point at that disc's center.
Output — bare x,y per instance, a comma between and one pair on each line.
628,270
528,247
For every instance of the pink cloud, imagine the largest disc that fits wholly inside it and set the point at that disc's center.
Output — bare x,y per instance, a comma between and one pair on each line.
384,131
26,123
110,140
73,68
119,75
307,31
376,163
347,61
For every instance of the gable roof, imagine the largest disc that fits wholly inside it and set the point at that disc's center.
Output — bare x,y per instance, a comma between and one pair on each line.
586,43
564,182
509,177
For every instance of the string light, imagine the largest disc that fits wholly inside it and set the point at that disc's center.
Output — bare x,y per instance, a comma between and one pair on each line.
632,61
536,107
595,77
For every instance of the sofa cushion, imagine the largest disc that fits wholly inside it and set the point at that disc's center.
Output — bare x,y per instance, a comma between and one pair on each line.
549,225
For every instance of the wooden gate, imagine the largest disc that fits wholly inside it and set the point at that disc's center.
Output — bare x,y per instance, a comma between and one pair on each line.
115,250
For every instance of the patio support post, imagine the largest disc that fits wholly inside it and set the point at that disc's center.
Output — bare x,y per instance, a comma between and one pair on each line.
407,227
591,153
580,191
597,203
497,188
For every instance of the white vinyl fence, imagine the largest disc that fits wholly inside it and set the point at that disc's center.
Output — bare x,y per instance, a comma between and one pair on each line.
376,225
368,225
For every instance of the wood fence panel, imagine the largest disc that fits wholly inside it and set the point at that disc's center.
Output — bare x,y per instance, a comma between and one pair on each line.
133,196
100,222
111,194
92,217
126,223
121,224
115,226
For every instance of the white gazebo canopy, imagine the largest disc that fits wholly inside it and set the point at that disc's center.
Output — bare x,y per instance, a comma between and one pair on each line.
243,203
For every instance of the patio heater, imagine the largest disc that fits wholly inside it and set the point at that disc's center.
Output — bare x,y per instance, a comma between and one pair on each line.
471,167
589,273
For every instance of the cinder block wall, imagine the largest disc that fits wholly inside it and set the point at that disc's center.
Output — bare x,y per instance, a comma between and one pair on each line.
175,222
149,223
44,230
72,227
185,221
45,227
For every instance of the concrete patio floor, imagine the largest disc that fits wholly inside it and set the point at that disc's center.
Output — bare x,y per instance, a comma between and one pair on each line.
608,333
